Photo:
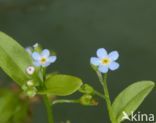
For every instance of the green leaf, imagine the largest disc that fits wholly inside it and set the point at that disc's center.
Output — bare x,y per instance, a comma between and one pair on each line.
6,105
12,109
131,97
14,59
21,114
62,85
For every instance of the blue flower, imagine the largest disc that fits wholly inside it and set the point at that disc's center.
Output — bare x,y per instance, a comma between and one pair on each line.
105,61
29,50
43,59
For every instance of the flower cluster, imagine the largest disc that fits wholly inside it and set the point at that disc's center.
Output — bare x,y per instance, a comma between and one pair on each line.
43,58
40,58
105,61
30,88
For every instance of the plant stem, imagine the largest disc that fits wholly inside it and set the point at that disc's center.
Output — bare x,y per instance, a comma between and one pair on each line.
108,101
103,81
48,108
46,101
99,94
65,101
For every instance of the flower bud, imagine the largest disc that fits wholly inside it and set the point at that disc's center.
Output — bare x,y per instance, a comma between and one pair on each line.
30,70
30,83
36,45
31,93
88,100
87,89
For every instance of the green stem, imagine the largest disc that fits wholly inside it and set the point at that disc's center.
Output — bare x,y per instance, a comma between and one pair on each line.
48,108
99,94
45,97
65,101
103,81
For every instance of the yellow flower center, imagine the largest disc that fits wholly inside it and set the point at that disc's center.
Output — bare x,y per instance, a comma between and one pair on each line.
105,61
43,60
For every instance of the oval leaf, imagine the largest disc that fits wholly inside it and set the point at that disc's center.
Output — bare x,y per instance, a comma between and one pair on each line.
62,85
130,98
14,59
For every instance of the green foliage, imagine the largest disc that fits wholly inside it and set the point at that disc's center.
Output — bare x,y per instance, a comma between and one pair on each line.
62,85
21,113
12,109
14,59
131,97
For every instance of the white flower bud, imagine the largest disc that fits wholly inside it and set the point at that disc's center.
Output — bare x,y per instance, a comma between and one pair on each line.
31,93
30,70
35,45
30,83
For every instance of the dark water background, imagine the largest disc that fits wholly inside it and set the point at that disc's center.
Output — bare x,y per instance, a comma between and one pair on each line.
75,29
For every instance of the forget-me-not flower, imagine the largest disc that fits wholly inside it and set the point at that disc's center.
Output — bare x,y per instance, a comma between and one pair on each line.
43,59
105,61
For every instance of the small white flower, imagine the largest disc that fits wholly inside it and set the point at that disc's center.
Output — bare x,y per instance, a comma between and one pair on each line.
30,83
30,70
35,45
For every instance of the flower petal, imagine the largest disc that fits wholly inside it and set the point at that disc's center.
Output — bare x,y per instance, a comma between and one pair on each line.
35,55
46,64
103,69
28,49
94,61
36,63
101,53
113,66
52,59
45,53
114,55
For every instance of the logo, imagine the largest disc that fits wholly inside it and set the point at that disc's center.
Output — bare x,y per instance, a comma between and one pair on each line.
139,117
